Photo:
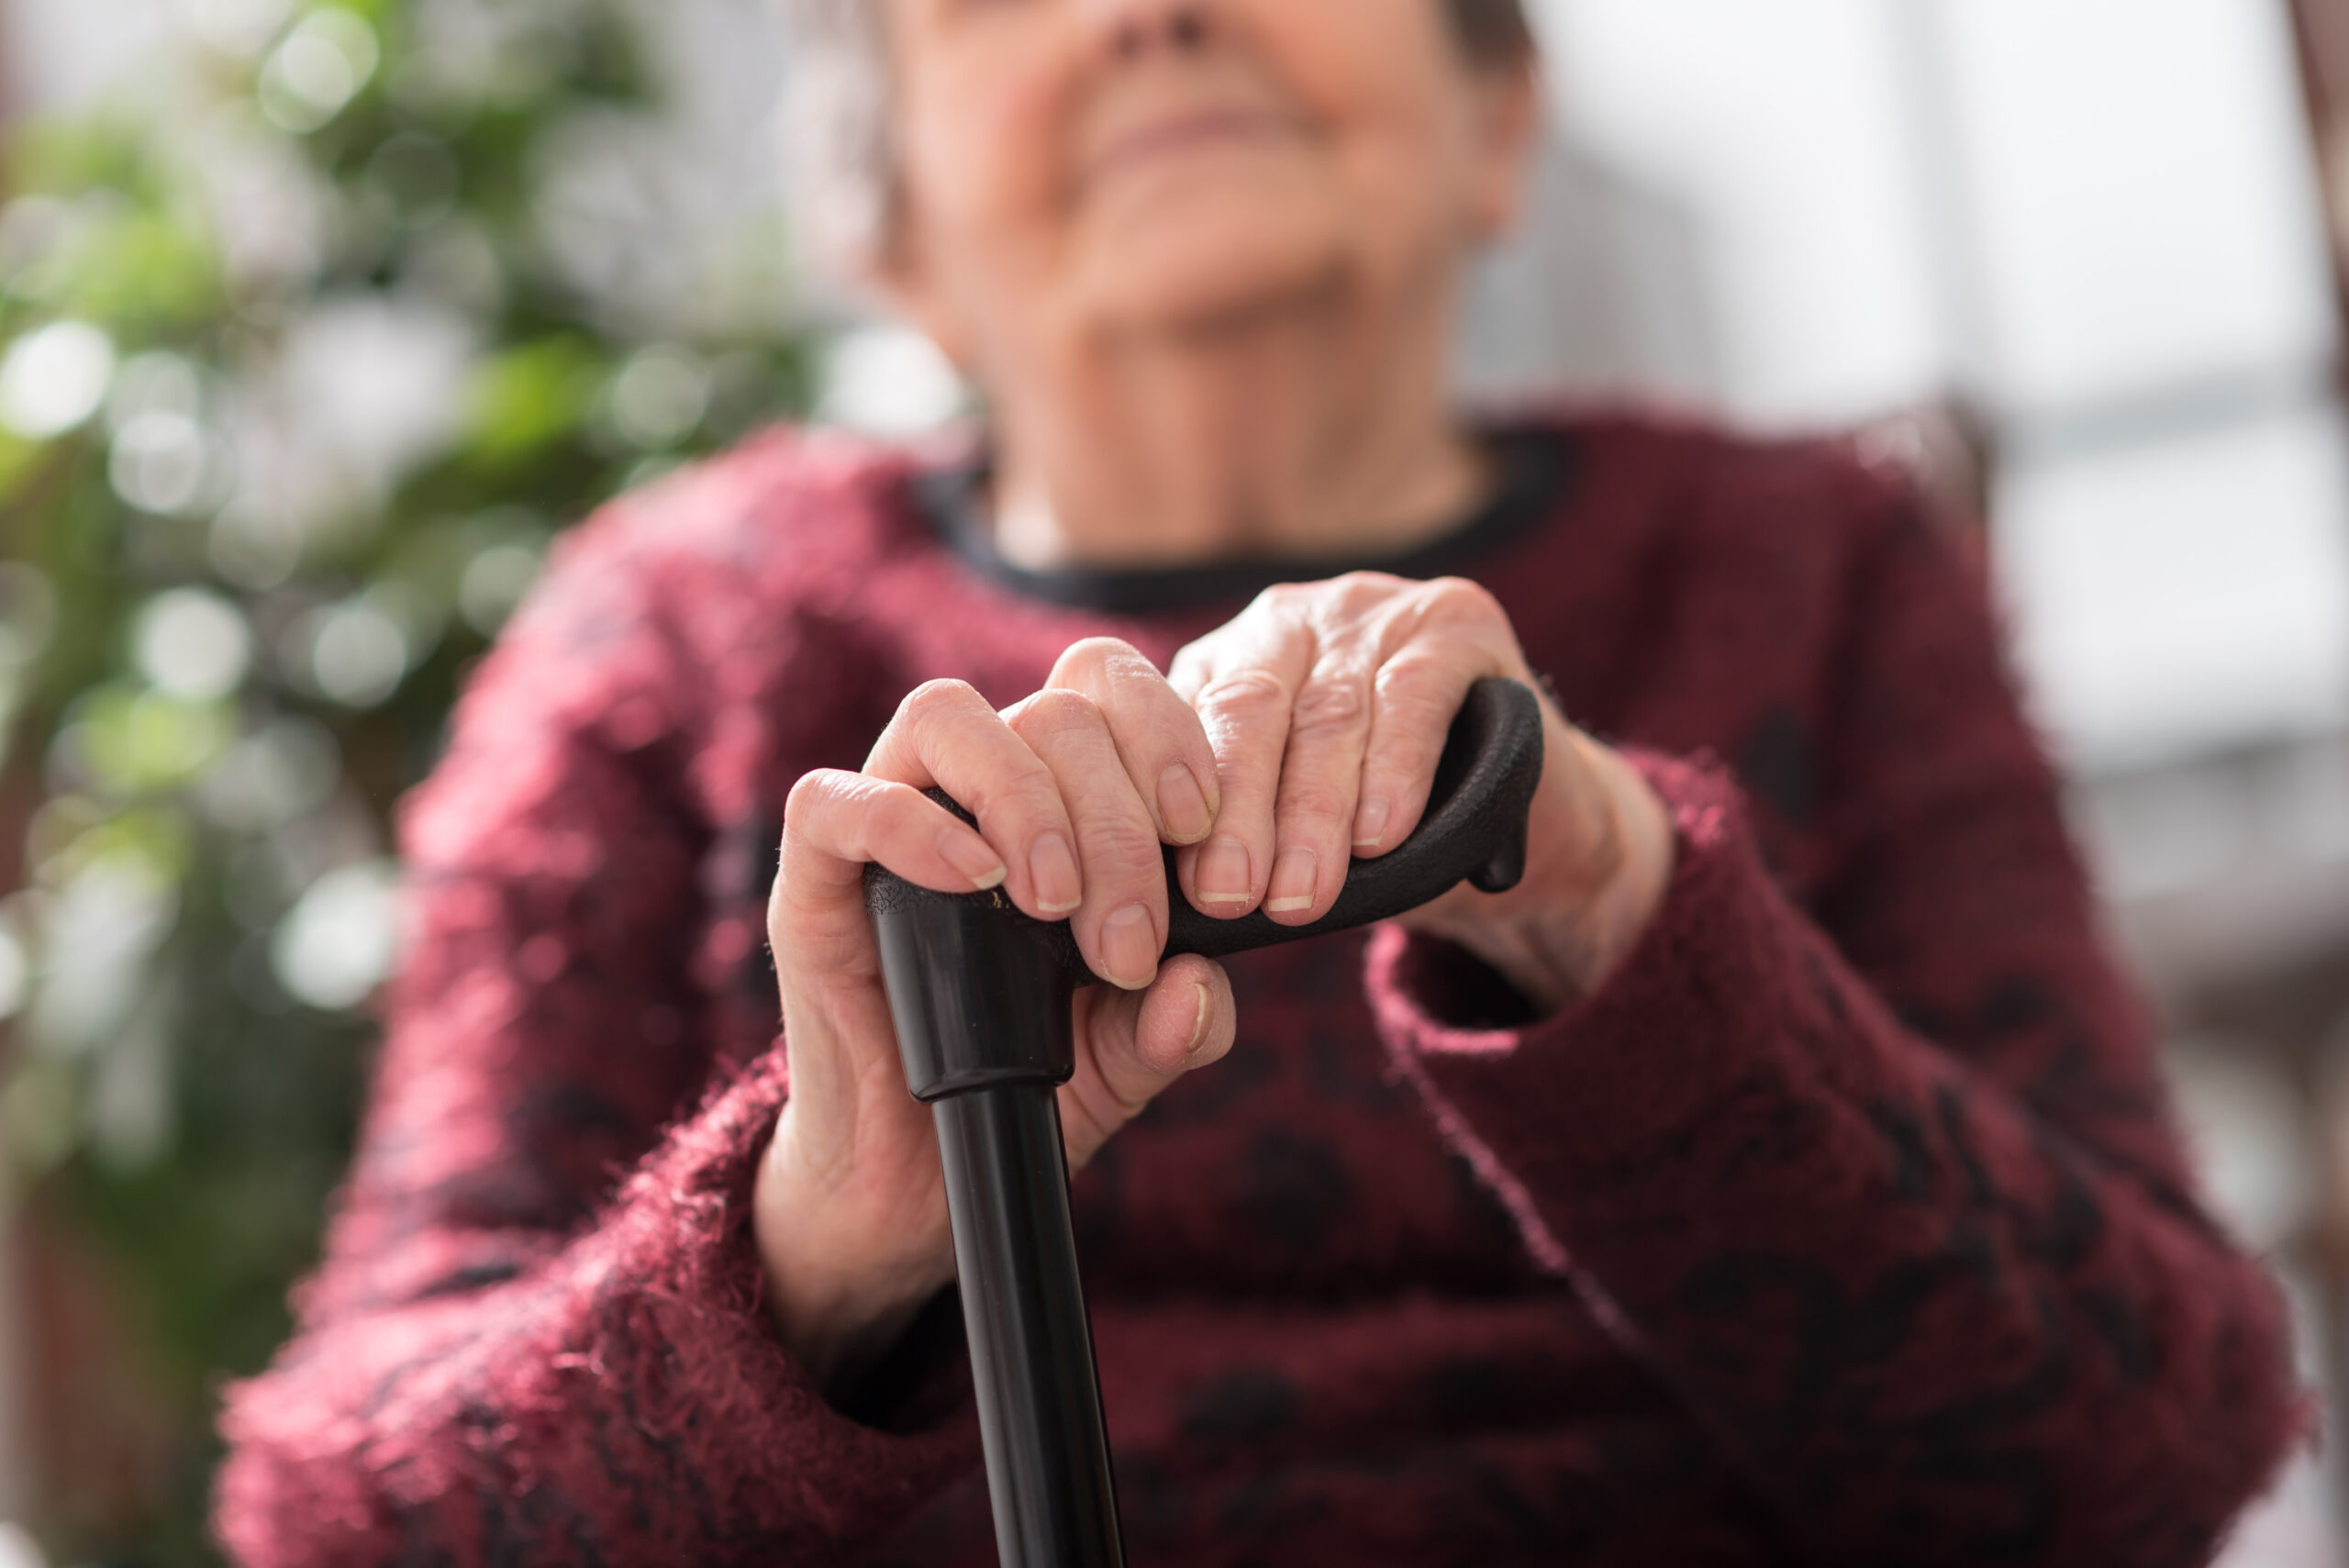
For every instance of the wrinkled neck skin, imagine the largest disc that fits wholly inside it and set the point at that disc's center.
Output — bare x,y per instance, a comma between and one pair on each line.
1307,428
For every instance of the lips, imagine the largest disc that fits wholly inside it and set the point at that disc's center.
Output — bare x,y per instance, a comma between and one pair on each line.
1178,135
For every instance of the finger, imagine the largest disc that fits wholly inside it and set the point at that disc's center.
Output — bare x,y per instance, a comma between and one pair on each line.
1416,697
1130,1045
946,734
833,824
1193,667
1454,636
827,968
1245,709
836,822
1329,731
1121,926
1158,738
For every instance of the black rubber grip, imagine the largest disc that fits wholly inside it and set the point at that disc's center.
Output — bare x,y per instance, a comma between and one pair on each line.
1472,830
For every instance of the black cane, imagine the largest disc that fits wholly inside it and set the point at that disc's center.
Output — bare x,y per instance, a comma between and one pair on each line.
981,994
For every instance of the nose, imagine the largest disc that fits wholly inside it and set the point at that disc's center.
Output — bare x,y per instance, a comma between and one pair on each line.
1135,27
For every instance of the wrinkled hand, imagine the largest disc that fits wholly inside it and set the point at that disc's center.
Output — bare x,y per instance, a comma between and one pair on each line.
1300,735
1327,704
1074,792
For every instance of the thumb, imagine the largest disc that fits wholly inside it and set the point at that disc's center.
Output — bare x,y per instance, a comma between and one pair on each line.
1131,1044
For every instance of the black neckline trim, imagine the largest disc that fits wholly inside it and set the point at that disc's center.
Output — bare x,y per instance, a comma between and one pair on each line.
1536,471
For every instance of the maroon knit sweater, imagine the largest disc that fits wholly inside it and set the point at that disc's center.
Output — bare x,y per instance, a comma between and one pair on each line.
1846,1224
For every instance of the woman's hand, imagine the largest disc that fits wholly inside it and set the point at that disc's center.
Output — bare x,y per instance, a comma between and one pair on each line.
1074,792
1327,704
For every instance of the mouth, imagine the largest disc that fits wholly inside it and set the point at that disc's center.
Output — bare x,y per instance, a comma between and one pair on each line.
1184,135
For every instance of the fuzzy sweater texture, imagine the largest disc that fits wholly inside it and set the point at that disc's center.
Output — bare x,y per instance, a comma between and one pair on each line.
1847,1224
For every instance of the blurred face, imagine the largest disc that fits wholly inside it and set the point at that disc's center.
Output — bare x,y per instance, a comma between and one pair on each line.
1155,166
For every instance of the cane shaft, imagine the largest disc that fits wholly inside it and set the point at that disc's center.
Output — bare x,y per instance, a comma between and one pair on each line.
1031,1348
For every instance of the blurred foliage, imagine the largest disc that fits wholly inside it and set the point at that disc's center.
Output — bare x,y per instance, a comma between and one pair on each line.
240,583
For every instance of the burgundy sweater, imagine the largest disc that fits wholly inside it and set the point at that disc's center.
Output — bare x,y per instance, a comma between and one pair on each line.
1847,1223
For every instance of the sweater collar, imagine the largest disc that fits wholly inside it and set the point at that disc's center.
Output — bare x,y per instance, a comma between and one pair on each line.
1535,469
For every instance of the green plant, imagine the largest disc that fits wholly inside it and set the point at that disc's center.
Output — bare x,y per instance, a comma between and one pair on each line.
231,629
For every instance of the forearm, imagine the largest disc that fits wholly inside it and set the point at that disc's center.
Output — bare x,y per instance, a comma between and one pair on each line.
1904,1298
628,1395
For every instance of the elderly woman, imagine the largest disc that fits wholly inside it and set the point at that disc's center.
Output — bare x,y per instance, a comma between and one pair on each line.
1778,1174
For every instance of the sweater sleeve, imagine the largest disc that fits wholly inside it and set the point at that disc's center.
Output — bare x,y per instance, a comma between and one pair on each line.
1885,1186
516,1351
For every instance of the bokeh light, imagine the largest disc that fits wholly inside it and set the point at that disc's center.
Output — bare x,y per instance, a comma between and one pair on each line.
194,644
53,379
890,381
339,943
318,69
354,653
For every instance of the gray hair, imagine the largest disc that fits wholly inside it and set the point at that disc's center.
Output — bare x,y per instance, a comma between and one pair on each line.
840,136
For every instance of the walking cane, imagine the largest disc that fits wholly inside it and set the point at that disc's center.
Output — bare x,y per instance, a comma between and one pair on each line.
981,992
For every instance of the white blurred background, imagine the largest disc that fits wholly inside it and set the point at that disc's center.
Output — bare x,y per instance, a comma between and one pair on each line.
2073,257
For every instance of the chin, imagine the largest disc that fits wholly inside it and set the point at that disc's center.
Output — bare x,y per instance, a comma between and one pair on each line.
1173,264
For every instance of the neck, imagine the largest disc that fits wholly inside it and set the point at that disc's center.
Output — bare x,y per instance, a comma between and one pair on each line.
1293,433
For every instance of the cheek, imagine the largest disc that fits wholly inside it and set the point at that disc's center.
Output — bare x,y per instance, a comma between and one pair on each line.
1384,58
982,142
1380,76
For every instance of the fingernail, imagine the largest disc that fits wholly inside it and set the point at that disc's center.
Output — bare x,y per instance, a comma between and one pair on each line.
1370,822
1223,874
1200,1025
1293,881
1129,947
1183,806
972,859
1052,864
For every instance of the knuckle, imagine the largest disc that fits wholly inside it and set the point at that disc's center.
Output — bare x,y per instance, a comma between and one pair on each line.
1284,608
1026,800
1414,665
1190,669
862,801
1093,655
1246,692
1315,802
809,794
1418,696
1057,710
1127,851
932,699
1356,586
1327,705
1462,597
